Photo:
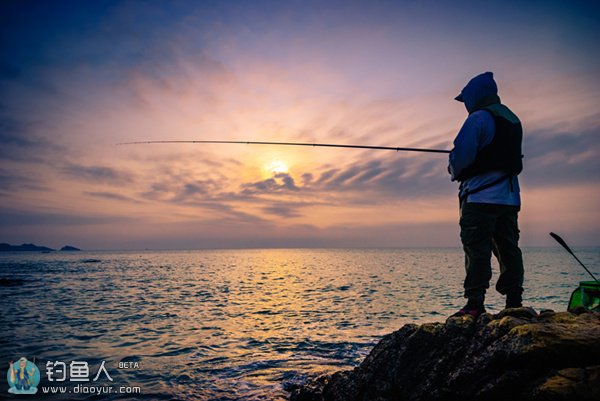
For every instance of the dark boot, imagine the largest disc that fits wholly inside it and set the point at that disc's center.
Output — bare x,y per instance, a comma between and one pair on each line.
473,308
514,300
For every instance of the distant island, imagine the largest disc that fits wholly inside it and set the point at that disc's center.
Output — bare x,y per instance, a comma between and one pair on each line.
24,248
33,248
69,248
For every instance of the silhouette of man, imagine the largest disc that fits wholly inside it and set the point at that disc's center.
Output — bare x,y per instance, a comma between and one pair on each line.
486,160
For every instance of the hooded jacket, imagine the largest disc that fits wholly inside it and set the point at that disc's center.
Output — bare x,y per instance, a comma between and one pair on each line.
487,149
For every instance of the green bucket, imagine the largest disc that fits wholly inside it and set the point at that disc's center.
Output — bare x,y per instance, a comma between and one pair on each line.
587,295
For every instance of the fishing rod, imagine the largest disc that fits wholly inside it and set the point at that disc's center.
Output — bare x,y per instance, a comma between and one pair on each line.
322,145
564,245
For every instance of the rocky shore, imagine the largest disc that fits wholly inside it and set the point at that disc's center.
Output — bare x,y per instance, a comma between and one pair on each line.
515,355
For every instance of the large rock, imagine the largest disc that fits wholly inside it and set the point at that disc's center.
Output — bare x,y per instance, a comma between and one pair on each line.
515,355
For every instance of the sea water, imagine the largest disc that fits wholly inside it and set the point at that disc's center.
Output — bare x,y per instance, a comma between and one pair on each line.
232,324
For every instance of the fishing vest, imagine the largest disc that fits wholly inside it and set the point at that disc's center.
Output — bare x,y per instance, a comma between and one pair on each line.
504,151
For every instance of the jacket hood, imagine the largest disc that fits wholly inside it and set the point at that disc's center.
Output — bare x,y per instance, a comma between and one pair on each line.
481,91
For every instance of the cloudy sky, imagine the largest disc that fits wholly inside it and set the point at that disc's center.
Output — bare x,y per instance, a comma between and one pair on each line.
78,77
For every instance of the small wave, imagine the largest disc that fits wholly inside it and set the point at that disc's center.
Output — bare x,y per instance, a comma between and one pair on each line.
209,328
84,337
11,282
343,350
266,312
175,352
232,370
292,380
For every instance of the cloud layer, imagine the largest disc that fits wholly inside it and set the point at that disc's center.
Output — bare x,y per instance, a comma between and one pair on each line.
76,84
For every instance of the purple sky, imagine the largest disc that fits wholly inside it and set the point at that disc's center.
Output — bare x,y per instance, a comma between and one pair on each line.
78,77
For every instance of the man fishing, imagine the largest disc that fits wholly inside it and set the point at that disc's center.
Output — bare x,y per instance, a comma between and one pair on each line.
486,160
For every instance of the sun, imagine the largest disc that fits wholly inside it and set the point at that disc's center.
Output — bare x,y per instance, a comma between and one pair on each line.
276,166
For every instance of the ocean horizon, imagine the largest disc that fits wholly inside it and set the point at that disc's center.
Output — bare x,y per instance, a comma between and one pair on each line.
242,248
